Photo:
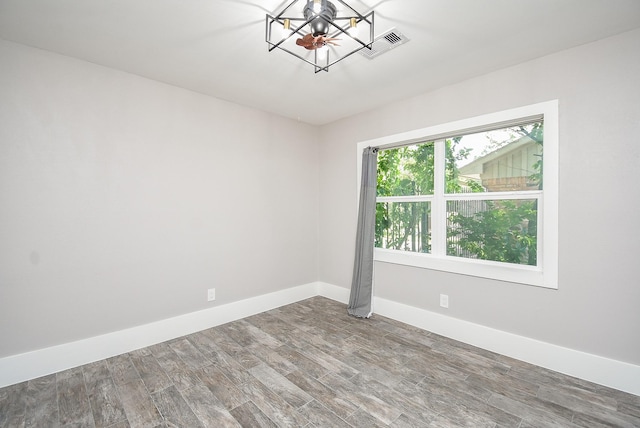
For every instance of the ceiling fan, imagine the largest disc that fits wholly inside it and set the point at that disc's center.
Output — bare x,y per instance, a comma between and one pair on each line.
317,26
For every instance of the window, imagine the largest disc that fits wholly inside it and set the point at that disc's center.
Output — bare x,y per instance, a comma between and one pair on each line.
475,197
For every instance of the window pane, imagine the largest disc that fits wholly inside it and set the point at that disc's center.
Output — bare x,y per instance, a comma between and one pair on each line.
404,226
497,230
503,160
406,171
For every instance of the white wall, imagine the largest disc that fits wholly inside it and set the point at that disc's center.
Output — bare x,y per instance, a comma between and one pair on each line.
123,199
597,306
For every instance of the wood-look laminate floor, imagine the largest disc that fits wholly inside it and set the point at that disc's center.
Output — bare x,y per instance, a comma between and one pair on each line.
310,365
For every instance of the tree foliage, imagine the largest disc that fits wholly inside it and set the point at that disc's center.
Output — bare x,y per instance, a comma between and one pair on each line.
409,171
499,233
404,171
497,230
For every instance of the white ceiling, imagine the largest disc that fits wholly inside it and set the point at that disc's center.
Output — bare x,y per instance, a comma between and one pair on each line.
217,47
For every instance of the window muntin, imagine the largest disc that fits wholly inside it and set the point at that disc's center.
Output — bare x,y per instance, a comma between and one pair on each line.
537,266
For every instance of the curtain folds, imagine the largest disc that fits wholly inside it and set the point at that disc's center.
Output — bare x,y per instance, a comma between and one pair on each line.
362,282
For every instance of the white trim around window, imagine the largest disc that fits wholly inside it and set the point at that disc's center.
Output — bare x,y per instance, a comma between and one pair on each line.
543,275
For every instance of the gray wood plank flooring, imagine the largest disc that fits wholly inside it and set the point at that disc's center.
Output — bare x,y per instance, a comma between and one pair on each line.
310,365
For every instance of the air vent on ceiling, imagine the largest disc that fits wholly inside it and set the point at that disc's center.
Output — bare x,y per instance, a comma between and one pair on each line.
384,43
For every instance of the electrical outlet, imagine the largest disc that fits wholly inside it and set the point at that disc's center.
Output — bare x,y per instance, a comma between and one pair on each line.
211,294
444,300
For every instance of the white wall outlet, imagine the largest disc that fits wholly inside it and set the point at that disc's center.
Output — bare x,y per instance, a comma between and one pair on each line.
444,300
211,294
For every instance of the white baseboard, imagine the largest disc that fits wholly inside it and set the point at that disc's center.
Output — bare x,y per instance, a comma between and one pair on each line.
333,292
593,368
30,365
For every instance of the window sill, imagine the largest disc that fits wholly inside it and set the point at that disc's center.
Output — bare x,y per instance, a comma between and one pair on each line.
520,274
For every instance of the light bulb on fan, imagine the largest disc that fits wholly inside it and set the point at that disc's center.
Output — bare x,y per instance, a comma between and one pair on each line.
286,28
322,53
353,28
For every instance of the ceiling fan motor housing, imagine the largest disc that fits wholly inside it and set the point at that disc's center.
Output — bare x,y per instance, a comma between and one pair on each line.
320,24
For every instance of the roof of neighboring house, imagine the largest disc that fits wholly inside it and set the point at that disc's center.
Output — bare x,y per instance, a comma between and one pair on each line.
476,166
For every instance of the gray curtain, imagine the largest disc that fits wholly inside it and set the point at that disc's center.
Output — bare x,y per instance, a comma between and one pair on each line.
362,282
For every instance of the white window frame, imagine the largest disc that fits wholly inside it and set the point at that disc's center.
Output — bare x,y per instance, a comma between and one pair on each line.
543,275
